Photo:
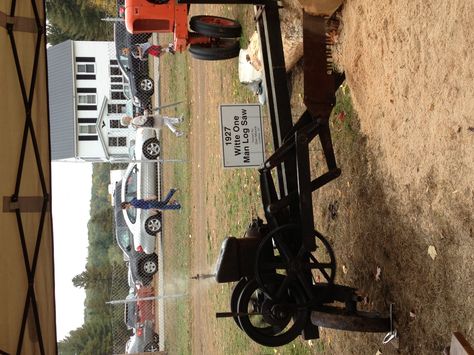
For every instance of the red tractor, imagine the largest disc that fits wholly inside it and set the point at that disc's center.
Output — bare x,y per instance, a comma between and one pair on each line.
210,38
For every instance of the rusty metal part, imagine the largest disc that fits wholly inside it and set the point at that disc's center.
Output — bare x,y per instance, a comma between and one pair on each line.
320,79
339,318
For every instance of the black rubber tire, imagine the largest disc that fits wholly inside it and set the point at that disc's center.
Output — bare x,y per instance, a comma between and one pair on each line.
215,26
148,150
159,2
150,224
151,347
156,338
340,318
149,266
221,50
146,85
262,335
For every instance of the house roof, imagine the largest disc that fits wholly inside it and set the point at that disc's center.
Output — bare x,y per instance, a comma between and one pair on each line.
61,100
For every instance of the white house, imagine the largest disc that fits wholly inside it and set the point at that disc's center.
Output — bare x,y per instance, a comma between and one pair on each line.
86,102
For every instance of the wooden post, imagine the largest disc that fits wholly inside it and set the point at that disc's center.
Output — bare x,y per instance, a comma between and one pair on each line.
460,346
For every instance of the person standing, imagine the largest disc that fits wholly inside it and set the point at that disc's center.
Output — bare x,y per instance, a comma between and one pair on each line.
143,50
147,204
158,121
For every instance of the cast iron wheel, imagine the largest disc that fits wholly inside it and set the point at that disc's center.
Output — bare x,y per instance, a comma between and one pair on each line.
151,148
294,264
149,266
327,267
220,49
272,323
237,291
146,85
357,321
215,26
234,297
152,347
153,224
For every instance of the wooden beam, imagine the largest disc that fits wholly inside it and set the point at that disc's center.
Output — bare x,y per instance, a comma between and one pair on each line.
460,346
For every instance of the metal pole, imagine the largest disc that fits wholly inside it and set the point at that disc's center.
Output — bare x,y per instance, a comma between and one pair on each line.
151,298
147,161
112,19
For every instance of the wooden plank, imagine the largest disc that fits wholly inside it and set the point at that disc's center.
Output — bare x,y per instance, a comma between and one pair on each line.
460,346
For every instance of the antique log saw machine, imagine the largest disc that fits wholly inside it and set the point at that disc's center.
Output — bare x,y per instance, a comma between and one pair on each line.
277,295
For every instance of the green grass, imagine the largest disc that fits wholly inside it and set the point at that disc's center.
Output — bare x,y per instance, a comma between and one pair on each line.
343,116
178,256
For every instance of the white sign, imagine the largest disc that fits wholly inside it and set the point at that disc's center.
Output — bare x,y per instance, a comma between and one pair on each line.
242,135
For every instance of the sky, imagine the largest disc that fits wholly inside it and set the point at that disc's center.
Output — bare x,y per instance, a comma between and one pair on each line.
71,194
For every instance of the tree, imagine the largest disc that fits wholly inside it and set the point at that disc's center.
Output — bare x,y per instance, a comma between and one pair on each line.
93,276
94,337
77,20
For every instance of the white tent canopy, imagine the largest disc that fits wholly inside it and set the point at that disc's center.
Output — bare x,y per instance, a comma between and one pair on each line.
26,256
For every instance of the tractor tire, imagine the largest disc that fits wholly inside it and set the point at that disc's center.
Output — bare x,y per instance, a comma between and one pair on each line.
221,50
215,26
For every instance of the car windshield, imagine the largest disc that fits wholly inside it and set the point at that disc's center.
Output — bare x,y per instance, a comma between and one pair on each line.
123,239
124,60
131,149
131,192
129,108
130,316
126,88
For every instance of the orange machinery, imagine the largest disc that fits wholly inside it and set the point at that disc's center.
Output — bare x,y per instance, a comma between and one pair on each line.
210,38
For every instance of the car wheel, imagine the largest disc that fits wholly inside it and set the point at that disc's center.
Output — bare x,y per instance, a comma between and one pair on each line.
152,347
156,338
150,266
146,85
153,224
151,148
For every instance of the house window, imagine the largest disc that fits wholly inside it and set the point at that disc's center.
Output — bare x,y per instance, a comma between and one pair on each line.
87,129
116,79
117,141
118,95
85,68
88,138
115,71
116,124
116,108
87,99
87,120
85,59
86,90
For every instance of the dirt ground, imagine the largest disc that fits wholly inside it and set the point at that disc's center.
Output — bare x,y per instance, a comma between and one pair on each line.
408,168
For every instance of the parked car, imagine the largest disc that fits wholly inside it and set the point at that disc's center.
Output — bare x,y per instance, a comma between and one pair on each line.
145,307
139,315
141,180
134,69
141,266
138,309
130,316
143,340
